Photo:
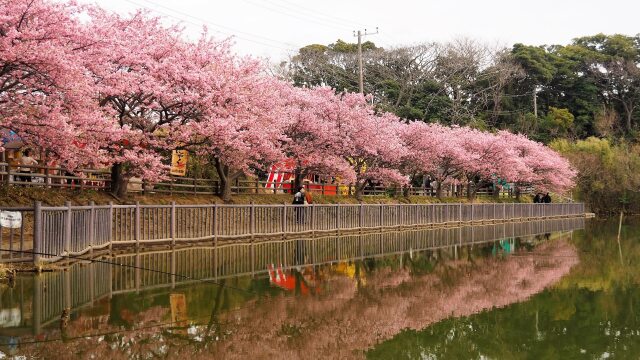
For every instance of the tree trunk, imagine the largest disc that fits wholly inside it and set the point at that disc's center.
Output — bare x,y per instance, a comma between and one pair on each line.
297,180
439,190
359,190
118,183
225,189
225,181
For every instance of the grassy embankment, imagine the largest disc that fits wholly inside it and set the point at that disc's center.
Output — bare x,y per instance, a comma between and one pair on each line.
19,196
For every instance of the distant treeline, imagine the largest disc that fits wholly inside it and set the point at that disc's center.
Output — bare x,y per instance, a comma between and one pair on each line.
588,88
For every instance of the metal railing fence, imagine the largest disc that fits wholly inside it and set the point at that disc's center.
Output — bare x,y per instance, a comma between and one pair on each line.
55,232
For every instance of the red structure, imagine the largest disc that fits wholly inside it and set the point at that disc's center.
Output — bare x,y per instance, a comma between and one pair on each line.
281,177
286,280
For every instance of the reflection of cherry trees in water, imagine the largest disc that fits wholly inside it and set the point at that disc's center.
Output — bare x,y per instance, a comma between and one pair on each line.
351,312
590,313
336,326
552,325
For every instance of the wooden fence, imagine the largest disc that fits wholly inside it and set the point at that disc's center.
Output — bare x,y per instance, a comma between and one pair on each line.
56,177
56,232
40,301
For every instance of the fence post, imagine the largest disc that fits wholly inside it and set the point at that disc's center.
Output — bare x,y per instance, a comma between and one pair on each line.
381,215
472,213
92,220
313,218
214,231
137,224
67,228
172,228
494,212
361,220
252,218
284,219
338,219
37,232
460,212
110,225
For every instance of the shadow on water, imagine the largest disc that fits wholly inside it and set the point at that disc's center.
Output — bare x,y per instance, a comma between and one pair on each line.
590,313
325,296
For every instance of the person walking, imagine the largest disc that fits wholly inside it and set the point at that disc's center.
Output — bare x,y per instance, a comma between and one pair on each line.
27,160
546,199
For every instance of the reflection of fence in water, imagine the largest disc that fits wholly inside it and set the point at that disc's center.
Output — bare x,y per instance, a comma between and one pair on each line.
83,284
73,289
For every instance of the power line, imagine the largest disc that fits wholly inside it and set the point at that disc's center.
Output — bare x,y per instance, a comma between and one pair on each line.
320,15
290,14
205,21
232,30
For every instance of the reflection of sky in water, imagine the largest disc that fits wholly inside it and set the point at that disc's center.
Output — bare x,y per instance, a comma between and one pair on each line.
290,298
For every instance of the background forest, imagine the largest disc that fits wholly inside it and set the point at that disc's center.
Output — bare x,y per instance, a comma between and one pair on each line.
581,98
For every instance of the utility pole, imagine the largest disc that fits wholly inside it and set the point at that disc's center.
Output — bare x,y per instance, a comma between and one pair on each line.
360,34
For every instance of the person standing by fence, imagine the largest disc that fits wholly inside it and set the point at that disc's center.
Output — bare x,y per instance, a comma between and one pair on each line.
538,198
27,160
546,199
298,202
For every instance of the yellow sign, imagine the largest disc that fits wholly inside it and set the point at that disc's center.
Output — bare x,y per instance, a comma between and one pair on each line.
179,162
179,316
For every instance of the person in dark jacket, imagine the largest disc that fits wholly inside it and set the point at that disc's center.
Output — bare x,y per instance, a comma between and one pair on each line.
537,199
546,199
298,202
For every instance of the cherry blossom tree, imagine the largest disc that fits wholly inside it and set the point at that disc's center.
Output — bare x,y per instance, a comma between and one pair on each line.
315,138
151,83
376,149
486,158
93,87
546,170
472,156
244,121
339,135
433,149
45,96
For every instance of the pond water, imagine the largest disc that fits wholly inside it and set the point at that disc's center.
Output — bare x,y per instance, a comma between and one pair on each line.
545,289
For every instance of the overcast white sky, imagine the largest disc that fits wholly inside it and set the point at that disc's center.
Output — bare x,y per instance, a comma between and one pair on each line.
275,28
